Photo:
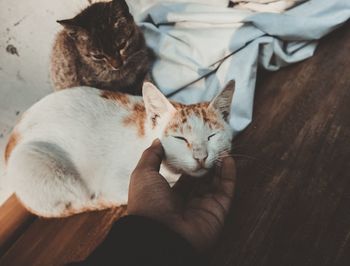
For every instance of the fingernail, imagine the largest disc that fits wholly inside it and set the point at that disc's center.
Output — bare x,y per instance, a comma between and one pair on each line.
156,141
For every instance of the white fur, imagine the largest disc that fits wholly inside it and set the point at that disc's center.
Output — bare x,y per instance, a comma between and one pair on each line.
75,153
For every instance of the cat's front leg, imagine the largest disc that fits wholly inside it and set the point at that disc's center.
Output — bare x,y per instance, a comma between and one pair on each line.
141,61
133,73
169,176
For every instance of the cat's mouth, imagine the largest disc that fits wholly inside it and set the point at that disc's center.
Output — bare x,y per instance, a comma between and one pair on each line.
198,172
116,66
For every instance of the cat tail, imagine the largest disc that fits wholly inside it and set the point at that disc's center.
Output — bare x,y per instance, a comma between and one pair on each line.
45,180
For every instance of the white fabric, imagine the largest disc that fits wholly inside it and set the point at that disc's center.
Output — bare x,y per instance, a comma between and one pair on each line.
207,39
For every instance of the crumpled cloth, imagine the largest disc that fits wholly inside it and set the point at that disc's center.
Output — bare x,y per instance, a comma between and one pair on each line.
203,44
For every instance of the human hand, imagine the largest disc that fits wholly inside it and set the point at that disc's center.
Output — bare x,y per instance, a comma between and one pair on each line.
198,217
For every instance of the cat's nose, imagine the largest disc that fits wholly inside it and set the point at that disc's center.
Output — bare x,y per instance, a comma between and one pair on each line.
201,162
115,62
200,158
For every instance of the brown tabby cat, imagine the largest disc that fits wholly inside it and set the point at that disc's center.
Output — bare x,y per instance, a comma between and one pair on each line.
101,47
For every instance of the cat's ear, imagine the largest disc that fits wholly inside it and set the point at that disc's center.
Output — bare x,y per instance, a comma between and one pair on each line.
71,27
120,5
122,17
222,102
156,104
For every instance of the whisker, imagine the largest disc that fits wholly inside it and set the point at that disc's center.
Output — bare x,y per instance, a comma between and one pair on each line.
239,146
244,156
226,156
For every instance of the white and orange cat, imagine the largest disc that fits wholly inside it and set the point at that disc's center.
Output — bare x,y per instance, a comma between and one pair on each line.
75,149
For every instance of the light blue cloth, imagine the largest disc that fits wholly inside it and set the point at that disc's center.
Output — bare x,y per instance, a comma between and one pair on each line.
198,40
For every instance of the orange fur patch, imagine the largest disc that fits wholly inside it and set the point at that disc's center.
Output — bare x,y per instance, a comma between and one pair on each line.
11,144
201,110
119,97
137,115
101,205
137,118
69,211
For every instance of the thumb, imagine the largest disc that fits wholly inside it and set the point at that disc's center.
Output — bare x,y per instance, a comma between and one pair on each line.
224,182
151,158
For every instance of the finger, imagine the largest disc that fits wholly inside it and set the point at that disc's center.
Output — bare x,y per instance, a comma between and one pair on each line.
228,168
151,158
224,182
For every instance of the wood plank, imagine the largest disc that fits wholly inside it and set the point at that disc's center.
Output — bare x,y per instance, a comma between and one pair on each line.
14,219
292,205
59,241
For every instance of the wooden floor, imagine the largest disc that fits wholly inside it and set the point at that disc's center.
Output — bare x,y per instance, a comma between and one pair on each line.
292,206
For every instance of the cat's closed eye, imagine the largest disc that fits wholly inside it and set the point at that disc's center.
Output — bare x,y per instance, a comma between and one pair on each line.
181,138
212,135
121,44
97,57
